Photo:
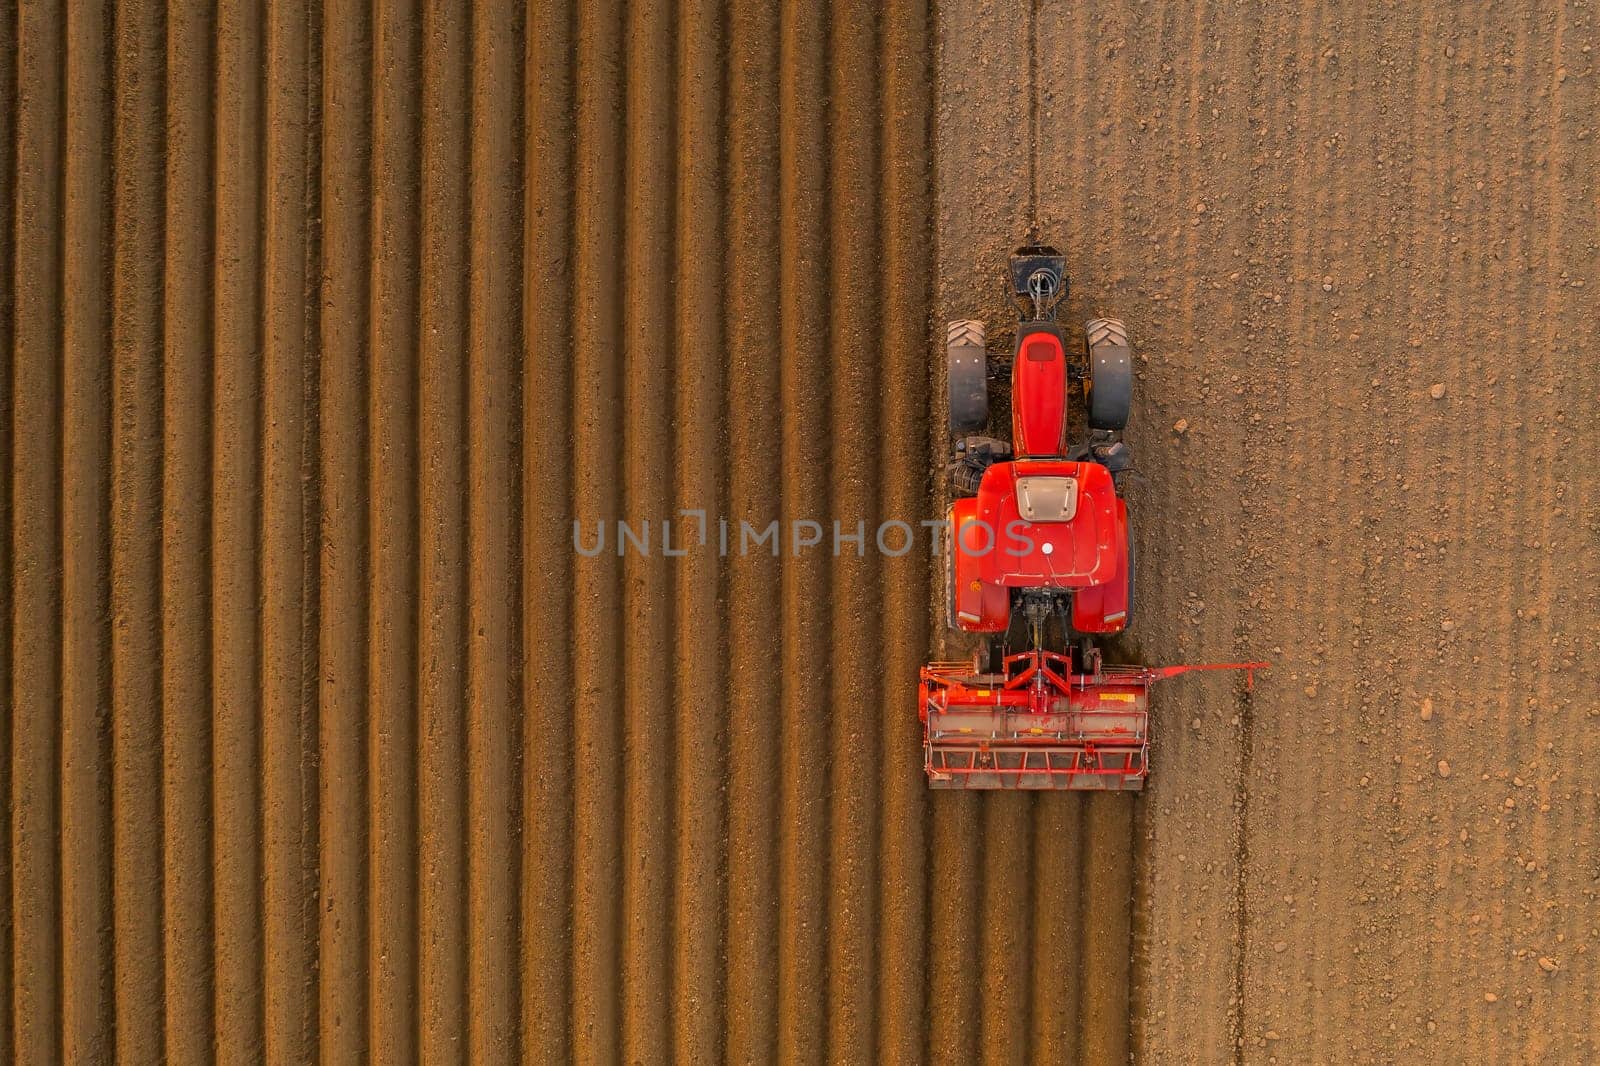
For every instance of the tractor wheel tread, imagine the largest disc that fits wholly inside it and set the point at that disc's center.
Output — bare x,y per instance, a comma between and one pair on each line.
1100,331
966,376
1110,373
965,331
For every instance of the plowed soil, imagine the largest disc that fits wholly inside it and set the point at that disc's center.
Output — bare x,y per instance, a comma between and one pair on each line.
327,323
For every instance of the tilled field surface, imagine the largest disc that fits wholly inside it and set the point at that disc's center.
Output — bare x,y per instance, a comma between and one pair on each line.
1356,250
326,324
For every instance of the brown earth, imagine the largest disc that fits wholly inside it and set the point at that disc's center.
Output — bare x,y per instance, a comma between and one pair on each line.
326,324
1356,249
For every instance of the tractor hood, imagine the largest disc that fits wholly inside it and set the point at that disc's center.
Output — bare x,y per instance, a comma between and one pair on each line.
1045,523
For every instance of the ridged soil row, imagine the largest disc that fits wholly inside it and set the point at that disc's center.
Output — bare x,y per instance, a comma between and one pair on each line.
549,376
187,913
236,525
852,158
597,416
136,664
698,994
981,847
35,427
288,536
494,733
905,234
647,611
1005,927
442,493
753,398
88,1006
344,462
8,265
806,692
392,531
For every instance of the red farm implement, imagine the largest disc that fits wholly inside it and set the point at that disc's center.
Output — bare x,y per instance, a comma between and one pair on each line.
1039,561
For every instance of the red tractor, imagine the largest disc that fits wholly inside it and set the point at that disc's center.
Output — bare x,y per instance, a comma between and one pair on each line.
1039,561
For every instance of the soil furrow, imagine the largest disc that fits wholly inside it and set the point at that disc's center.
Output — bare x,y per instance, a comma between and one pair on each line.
36,546
392,531
1054,984
698,994
344,465
1105,907
288,516
1005,928
597,428
906,283
495,587
649,187
236,527
807,704
86,844
136,672
548,377
753,501
185,590
852,152
442,826
8,281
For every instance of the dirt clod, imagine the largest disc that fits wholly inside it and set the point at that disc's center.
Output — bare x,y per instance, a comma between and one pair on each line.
1444,768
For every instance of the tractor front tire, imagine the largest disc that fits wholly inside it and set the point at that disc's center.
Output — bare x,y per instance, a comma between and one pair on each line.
966,377
1110,373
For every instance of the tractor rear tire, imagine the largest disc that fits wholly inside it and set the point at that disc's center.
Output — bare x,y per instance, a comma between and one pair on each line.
1110,373
966,377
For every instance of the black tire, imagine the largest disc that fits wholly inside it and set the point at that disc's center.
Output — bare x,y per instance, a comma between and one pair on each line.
1110,373
966,377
